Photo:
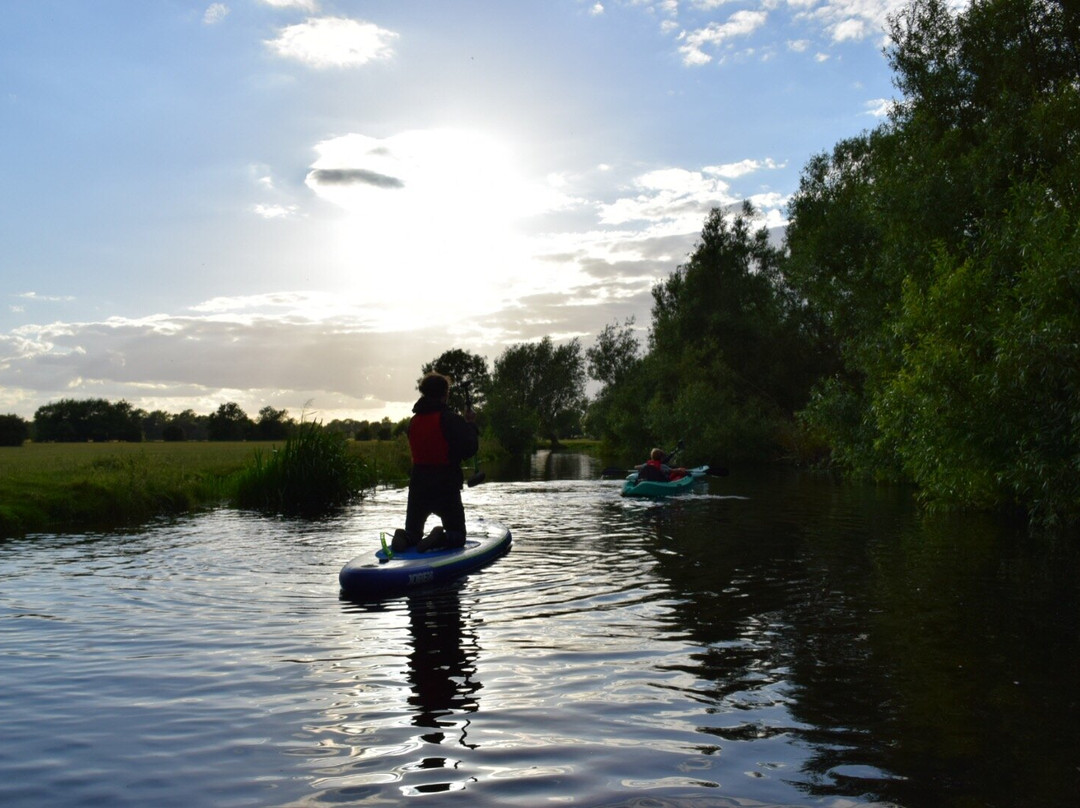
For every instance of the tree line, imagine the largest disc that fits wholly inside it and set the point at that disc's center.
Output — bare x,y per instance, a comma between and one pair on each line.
920,320
97,419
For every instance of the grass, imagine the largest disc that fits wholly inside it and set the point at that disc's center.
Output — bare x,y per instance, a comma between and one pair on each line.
78,486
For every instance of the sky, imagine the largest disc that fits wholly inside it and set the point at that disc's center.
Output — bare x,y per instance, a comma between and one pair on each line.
298,203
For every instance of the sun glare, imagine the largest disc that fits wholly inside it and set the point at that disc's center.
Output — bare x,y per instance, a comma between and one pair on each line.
432,233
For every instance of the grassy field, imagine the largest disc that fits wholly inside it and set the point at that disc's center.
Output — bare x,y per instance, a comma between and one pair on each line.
79,486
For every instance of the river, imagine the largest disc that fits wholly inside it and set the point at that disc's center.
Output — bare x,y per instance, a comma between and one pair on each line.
782,640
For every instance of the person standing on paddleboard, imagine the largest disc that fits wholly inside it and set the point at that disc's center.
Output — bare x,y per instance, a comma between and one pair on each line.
439,440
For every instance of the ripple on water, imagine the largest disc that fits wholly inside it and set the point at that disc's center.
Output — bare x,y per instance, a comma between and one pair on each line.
623,653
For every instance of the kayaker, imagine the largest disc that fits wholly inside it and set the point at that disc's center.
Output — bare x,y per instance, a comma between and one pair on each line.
655,470
439,440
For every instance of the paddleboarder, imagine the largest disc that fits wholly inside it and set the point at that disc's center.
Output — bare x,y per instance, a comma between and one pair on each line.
439,440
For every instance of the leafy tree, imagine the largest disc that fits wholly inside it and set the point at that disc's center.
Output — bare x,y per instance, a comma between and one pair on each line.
93,419
953,305
732,353
615,354
154,424
273,424
464,369
188,425
13,430
537,389
229,422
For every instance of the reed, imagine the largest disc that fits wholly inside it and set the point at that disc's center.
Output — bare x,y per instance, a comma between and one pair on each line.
313,473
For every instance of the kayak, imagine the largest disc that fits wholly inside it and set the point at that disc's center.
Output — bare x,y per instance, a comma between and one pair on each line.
648,488
373,576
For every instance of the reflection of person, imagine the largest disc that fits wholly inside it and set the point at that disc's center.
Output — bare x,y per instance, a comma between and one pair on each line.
656,471
442,665
439,440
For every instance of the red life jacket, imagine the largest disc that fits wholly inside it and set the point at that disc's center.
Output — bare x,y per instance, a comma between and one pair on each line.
654,471
427,442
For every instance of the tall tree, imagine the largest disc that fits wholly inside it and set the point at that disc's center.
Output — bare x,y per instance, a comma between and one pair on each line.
465,370
229,422
957,318
537,389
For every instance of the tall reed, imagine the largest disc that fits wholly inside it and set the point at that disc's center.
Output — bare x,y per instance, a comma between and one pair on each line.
312,474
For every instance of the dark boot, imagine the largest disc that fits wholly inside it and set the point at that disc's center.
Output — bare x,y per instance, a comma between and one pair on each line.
432,540
400,541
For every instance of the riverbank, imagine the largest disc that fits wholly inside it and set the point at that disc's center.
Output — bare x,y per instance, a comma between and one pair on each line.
79,486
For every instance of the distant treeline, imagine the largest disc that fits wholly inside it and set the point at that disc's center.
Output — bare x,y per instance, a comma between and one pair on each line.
99,420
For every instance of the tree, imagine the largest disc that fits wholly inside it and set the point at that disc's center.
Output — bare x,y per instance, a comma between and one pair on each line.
615,354
229,422
13,430
956,317
537,389
93,419
273,424
188,425
465,370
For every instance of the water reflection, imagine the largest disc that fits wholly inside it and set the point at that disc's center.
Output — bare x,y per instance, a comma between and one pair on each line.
442,667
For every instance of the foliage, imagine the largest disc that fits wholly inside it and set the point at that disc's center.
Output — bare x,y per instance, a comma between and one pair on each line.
537,389
229,422
273,424
94,419
939,255
65,486
732,354
312,474
13,430
465,370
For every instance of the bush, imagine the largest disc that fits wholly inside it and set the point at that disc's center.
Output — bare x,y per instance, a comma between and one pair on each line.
311,475
13,430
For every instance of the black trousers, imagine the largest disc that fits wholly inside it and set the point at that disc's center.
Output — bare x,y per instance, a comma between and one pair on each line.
446,504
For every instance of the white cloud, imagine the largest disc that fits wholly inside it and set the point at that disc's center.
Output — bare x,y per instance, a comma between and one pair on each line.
274,211
334,42
303,5
215,13
880,107
597,9
849,29
715,35
743,167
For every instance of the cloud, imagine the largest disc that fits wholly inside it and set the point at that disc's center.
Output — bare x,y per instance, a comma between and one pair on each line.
714,35
215,13
880,107
348,176
304,5
334,42
275,211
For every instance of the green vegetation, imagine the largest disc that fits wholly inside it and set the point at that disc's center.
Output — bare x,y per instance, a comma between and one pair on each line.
79,486
99,485
313,473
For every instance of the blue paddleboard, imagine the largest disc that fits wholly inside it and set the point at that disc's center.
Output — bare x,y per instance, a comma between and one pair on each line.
373,576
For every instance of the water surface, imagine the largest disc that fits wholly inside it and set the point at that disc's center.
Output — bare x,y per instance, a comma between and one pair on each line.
782,640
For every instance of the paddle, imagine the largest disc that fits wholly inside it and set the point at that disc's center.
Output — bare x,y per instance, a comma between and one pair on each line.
478,476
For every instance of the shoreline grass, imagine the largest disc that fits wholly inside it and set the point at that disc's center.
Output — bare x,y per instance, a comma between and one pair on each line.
55,487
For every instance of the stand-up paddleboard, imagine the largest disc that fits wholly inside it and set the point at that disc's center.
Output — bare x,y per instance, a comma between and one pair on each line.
373,576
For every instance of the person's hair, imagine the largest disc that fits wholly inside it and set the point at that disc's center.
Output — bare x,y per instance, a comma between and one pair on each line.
434,385
657,454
